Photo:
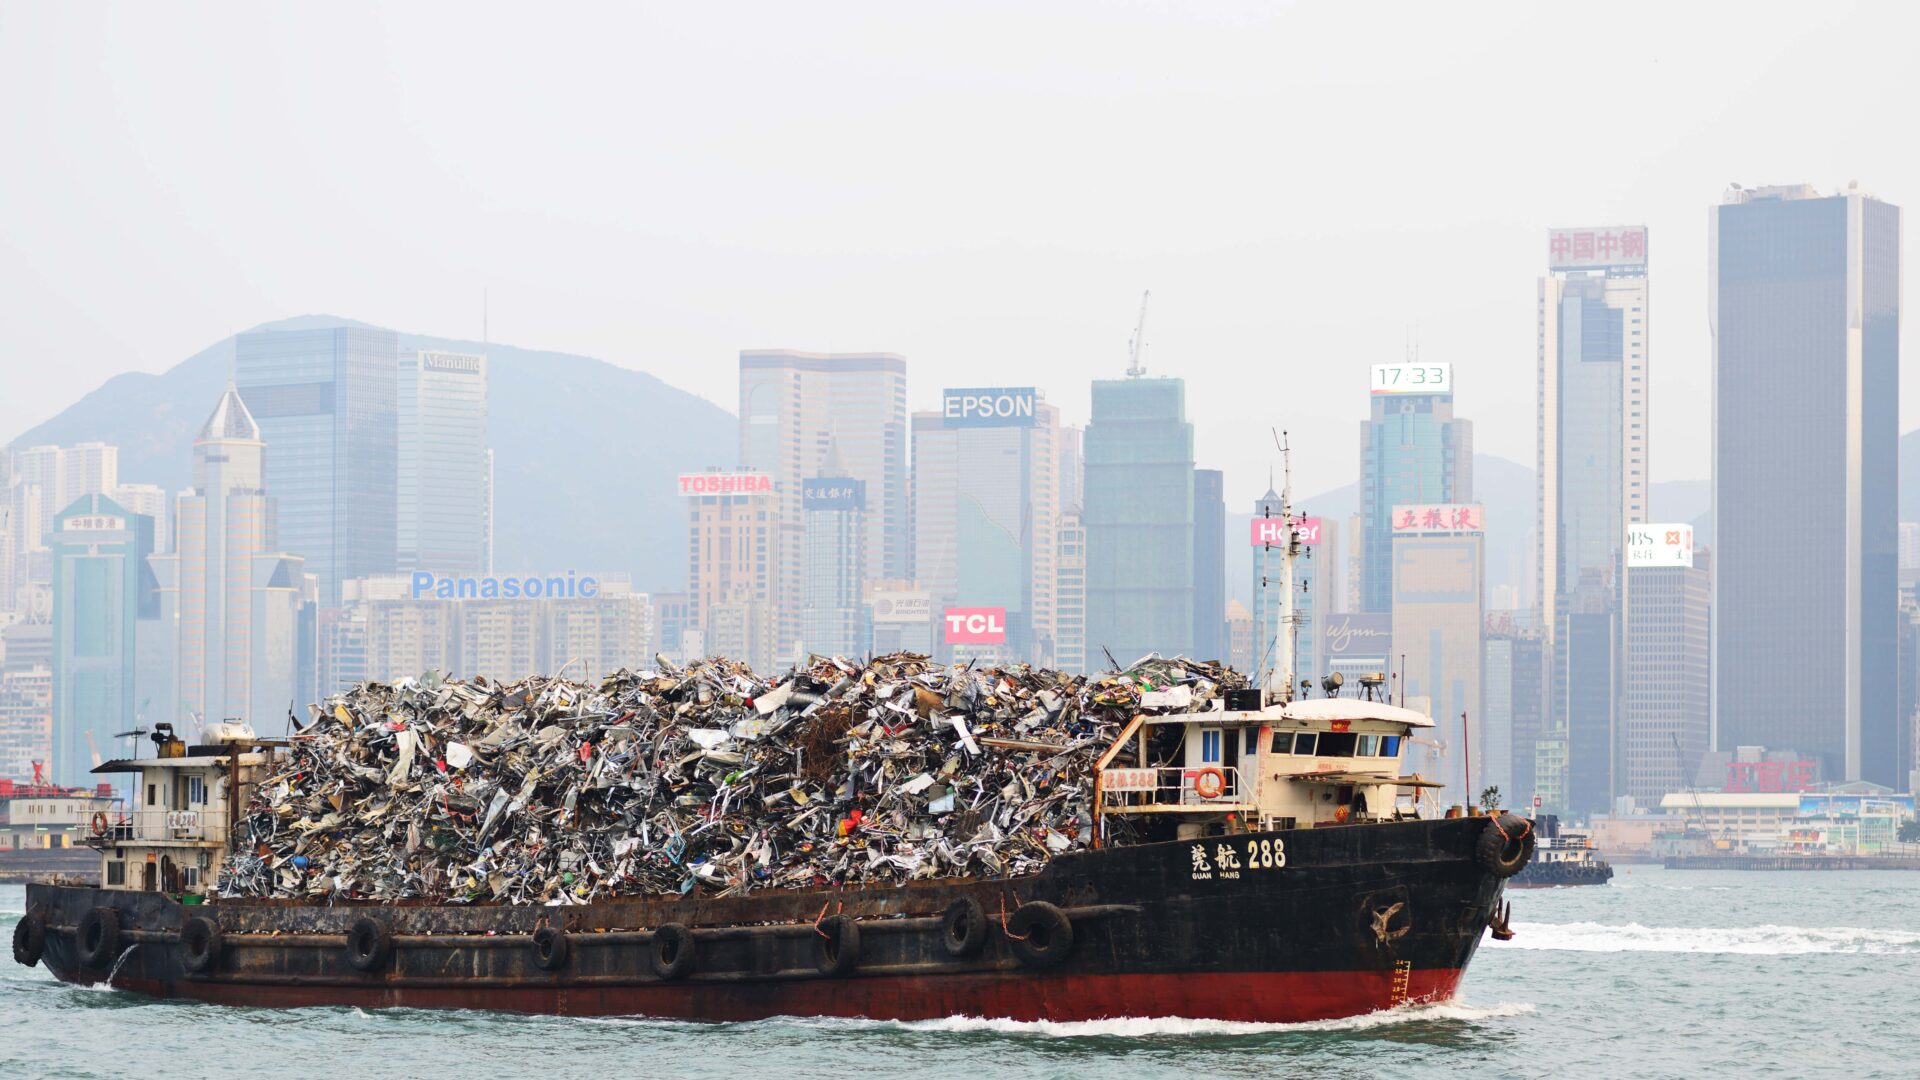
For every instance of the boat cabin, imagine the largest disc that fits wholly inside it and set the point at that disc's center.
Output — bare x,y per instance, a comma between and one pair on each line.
174,833
1302,764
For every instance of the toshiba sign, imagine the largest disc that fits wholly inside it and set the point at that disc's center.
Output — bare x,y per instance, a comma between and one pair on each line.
724,483
976,625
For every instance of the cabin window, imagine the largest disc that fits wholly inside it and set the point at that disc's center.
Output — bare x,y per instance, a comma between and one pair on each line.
196,790
1389,746
1337,743
190,877
1210,746
1304,742
151,794
1252,741
1369,746
116,872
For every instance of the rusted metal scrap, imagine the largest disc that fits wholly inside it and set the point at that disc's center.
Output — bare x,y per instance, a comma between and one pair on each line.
706,777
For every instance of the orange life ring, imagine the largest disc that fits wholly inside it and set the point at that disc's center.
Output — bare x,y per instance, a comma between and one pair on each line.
99,823
1210,783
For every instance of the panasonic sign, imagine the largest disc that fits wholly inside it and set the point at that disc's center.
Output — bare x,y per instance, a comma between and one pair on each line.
1003,406
570,586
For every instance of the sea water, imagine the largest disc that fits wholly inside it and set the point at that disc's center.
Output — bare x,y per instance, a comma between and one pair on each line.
1663,973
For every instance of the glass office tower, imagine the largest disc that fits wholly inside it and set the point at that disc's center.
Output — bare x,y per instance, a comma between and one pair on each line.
1139,521
1805,314
326,402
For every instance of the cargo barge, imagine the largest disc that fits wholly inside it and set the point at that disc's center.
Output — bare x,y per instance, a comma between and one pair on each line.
1263,860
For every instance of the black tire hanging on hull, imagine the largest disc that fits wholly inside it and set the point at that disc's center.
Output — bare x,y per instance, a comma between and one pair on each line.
98,937
1505,845
1041,933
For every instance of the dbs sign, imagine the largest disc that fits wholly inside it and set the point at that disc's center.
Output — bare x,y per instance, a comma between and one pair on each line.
976,625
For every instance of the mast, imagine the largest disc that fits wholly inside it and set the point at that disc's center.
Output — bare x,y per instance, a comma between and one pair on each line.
1280,682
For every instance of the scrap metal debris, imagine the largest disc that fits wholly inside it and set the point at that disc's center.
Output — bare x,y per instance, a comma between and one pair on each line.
707,777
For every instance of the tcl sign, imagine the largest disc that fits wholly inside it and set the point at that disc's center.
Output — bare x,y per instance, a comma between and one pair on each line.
976,625
1274,531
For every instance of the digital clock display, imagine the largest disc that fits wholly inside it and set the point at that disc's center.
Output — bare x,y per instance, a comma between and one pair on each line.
1413,378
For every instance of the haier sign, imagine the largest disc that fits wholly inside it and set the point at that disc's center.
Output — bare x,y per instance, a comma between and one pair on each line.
1005,406
1267,531
976,625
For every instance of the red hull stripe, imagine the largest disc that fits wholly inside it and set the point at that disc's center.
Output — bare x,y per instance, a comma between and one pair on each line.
1257,997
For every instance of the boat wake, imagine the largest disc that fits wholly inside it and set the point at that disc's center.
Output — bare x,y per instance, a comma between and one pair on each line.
1178,1027
1765,940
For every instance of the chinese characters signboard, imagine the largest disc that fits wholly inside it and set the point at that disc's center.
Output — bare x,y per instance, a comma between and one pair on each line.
833,493
1585,249
1439,518
904,606
1659,545
1273,530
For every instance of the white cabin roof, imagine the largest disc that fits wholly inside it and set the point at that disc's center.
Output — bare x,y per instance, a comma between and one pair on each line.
1352,709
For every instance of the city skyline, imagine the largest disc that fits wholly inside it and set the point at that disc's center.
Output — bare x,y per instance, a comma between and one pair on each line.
1246,276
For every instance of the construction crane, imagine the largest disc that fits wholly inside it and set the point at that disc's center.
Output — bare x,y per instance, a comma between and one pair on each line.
1138,345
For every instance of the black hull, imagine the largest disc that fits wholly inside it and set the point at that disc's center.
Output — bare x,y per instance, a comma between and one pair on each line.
1357,919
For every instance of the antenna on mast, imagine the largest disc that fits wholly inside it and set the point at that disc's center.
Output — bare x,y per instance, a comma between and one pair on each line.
1138,345
1279,684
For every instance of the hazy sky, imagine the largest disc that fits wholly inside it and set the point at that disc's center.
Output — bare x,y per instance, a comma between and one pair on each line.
983,188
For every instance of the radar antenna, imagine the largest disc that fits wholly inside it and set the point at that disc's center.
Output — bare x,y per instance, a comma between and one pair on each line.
1138,346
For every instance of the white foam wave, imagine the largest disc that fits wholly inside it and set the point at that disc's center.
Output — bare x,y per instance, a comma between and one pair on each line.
1767,940
1173,1026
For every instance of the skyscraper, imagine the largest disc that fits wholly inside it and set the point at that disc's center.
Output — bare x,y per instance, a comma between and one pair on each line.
1139,520
64,474
247,645
1438,619
1210,564
101,588
1070,594
326,401
1412,451
444,474
833,619
1663,706
1805,314
730,568
985,505
1592,339
792,405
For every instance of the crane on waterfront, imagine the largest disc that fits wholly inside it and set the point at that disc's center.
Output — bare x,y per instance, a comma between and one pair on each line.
1138,346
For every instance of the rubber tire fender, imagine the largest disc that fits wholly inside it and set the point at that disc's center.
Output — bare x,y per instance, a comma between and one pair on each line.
369,944
963,929
1042,934
1505,845
836,945
671,952
550,948
201,944
29,939
97,938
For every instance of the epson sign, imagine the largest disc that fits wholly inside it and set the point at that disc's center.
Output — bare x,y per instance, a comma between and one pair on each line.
1002,406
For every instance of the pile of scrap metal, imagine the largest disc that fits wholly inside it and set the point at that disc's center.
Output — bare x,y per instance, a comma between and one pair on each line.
706,777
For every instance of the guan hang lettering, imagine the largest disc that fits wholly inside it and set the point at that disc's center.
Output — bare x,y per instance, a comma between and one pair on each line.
570,586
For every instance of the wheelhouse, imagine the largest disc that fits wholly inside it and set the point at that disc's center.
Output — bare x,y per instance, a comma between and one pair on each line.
1306,763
